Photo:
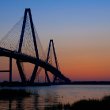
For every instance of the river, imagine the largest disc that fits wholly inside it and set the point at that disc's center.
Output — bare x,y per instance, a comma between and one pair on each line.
51,95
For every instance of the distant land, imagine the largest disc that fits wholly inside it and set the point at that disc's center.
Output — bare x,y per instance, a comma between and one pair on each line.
16,83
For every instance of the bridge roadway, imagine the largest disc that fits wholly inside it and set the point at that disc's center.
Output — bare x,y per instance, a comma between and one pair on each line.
33,60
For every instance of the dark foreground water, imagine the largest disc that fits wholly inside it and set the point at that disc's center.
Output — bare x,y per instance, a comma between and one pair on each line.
51,95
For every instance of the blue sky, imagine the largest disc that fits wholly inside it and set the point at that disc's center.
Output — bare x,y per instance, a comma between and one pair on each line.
53,14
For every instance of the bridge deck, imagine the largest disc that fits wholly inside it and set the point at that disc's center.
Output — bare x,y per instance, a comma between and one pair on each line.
30,59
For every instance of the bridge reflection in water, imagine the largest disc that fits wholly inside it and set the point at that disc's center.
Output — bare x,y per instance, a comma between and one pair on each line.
48,96
25,46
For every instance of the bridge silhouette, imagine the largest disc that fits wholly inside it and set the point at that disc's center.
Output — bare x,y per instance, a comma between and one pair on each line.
24,46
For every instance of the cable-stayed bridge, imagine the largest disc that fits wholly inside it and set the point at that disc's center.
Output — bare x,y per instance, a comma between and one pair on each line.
22,44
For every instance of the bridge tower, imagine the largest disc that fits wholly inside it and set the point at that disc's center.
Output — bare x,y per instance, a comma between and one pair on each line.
51,45
22,75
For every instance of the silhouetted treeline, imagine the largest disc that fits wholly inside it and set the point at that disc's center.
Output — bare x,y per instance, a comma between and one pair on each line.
91,104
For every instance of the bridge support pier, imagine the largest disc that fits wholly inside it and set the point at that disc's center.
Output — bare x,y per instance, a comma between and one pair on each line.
22,75
10,66
34,74
47,77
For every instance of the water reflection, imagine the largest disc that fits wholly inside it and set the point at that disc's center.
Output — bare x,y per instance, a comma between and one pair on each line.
36,101
44,97
16,104
19,104
28,103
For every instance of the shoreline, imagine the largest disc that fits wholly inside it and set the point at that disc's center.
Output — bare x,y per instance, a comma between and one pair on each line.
20,84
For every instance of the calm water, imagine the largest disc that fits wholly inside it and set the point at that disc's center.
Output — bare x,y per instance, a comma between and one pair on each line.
50,95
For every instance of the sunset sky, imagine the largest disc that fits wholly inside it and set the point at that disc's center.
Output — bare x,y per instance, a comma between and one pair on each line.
79,28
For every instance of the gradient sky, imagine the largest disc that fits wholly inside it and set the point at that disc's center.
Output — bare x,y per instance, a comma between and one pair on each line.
80,29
